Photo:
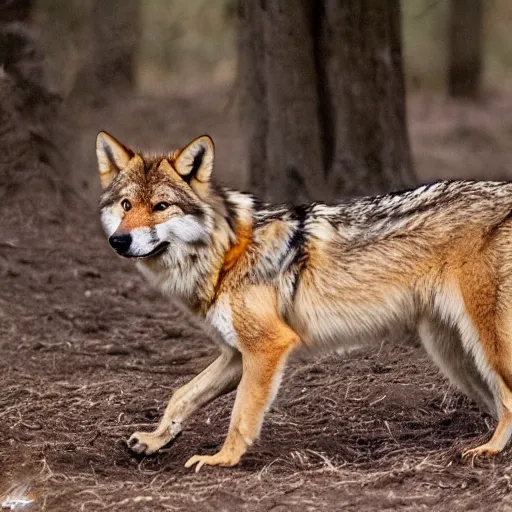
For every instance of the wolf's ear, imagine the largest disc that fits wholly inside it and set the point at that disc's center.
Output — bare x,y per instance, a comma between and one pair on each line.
195,161
112,156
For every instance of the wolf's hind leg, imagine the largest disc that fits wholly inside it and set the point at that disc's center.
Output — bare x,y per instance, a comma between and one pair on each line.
444,344
222,376
503,430
489,309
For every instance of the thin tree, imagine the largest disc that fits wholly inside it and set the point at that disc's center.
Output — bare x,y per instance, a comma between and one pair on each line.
465,58
323,99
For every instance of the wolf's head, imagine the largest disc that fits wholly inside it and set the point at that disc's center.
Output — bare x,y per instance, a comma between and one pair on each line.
150,203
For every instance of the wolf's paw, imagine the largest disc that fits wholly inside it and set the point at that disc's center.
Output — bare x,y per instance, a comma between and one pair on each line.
223,458
485,450
147,443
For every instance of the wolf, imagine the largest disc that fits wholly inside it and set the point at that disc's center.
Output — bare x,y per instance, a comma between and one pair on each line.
274,278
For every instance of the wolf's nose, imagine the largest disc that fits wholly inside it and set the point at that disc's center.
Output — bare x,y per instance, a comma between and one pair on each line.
121,243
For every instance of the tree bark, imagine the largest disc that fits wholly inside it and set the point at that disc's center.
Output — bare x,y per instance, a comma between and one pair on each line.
275,72
251,73
465,64
324,98
371,146
293,146
109,64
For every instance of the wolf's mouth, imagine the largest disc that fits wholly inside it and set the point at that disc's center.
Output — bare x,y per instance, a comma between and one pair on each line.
155,252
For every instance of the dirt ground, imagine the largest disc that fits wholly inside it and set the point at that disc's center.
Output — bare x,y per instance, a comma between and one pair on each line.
88,354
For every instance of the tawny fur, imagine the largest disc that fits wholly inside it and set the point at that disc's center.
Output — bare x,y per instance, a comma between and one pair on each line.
273,279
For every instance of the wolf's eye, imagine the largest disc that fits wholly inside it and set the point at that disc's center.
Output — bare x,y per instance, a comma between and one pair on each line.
127,206
160,207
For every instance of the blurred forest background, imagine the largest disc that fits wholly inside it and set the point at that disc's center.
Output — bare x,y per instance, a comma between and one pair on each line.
186,80
182,42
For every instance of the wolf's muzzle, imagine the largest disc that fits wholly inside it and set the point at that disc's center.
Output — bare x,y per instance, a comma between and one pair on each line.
121,243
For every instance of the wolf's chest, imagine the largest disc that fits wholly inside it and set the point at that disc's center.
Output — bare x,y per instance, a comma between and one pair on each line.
171,280
220,316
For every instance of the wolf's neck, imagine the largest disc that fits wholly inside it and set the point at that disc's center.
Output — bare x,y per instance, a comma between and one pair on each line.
235,207
230,240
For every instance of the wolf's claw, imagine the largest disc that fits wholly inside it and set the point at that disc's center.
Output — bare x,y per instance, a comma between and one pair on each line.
486,450
219,459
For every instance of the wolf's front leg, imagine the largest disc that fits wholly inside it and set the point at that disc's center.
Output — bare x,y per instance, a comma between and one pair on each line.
259,384
265,342
221,377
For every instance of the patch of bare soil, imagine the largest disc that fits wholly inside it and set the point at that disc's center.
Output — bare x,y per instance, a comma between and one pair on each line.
88,354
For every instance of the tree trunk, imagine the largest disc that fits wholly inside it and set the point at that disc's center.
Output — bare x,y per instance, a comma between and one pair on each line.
371,146
112,35
251,73
324,100
30,161
465,66
274,37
